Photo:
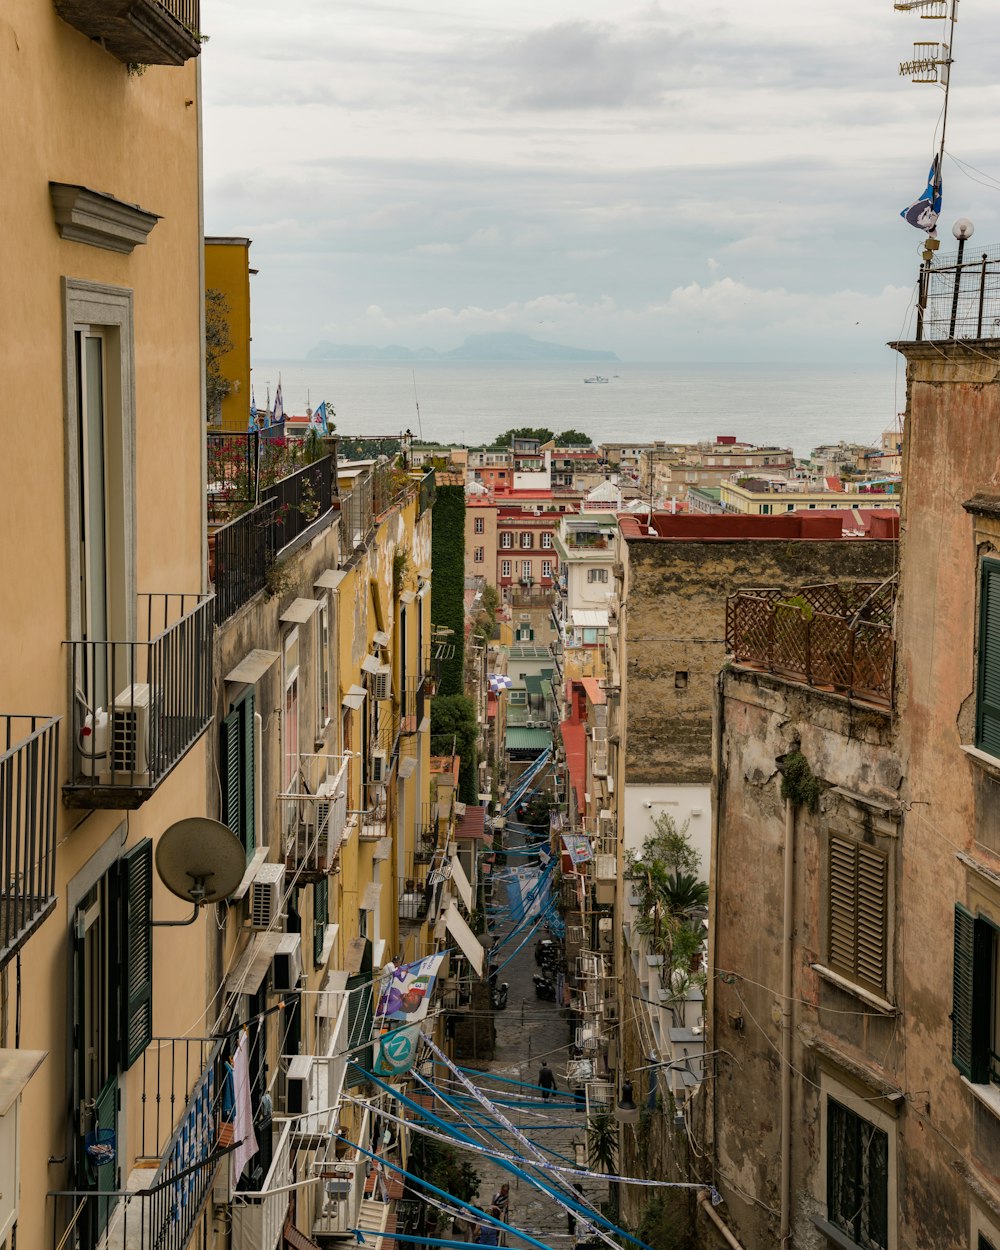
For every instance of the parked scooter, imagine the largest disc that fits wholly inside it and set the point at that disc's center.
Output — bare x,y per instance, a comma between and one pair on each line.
498,996
545,987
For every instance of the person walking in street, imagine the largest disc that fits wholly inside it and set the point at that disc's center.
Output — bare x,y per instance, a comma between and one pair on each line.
501,1202
547,1080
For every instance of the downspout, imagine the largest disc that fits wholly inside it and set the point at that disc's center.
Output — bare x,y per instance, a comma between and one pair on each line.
786,1024
705,1202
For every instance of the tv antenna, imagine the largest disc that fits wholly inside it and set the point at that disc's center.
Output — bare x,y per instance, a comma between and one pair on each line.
199,860
420,428
932,59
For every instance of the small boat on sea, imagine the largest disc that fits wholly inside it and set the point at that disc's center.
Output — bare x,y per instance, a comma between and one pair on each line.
596,378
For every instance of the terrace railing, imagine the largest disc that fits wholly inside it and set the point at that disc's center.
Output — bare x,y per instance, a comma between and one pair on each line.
140,704
960,299
426,492
29,803
244,553
301,499
830,637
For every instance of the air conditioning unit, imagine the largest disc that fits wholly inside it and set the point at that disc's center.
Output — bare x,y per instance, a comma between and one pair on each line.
605,934
382,683
130,731
286,966
265,895
298,1079
379,768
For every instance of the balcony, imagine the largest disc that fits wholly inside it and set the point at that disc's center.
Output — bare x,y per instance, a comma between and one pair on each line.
258,1216
160,1205
241,555
147,32
420,892
302,500
835,638
140,705
414,705
960,299
315,816
341,1190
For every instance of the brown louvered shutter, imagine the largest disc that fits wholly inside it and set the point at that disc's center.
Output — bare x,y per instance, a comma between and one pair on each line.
137,951
858,913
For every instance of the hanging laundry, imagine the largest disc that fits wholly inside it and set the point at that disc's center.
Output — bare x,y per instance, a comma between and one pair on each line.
243,1114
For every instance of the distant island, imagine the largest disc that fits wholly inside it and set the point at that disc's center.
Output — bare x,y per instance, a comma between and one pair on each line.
503,346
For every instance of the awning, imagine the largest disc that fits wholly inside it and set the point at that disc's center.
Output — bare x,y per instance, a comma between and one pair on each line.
407,596
252,667
383,849
468,943
355,697
299,611
330,579
370,896
461,882
251,967
370,664
381,638
407,767
17,1067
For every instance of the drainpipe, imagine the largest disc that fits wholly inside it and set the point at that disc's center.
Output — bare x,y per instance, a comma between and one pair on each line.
786,1024
705,1202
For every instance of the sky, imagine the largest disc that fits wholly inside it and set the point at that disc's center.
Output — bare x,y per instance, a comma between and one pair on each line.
707,181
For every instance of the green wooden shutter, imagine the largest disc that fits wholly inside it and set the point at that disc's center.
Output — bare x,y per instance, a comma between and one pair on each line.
230,759
359,1019
971,996
988,701
136,951
321,915
249,777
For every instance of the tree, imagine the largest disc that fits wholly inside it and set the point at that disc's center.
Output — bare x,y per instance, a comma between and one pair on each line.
523,431
217,344
453,728
573,438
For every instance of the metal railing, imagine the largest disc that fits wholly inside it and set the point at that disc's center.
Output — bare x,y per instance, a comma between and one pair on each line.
426,493
242,554
187,12
140,704
341,1188
314,819
258,1216
414,705
301,499
163,1215
833,638
960,299
29,803
357,513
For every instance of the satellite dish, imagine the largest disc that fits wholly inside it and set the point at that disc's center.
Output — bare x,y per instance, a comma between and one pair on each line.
200,860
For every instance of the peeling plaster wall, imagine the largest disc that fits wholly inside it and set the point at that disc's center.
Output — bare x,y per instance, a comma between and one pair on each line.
848,746
676,624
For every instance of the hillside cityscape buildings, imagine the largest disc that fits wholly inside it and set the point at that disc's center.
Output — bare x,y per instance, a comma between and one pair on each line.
553,843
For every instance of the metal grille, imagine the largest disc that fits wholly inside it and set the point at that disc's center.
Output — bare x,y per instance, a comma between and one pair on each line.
961,300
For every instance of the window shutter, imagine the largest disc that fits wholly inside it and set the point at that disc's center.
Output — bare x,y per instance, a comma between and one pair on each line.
843,897
963,1054
321,914
237,752
858,912
137,951
988,703
872,917
359,1019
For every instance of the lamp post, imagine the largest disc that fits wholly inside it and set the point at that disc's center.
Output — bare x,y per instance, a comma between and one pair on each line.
962,229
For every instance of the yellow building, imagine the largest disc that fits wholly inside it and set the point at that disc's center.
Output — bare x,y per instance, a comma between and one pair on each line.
101,330
227,271
776,496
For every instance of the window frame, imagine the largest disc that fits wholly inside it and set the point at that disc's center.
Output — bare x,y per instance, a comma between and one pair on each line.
867,1107
527,542
987,738
507,540
546,541
479,525
479,555
238,769
505,566
975,996
324,684
850,923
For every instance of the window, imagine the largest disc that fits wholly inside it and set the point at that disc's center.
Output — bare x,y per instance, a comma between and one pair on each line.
597,575
857,899
321,916
527,540
546,568
505,568
857,1177
975,1036
547,542
525,568
238,769
506,539
479,555
323,695
984,1244
988,676
480,524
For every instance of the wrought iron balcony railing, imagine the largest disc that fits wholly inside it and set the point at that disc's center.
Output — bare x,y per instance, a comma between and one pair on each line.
836,638
140,704
258,1216
301,499
960,299
414,705
144,32
241,555
29,802
158,1207
315,817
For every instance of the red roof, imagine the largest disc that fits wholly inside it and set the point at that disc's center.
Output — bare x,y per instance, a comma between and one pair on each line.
834,483
725,527
593,688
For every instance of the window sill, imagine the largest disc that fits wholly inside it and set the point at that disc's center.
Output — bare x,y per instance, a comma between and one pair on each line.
988,1095
988,763
835,1235
881,1005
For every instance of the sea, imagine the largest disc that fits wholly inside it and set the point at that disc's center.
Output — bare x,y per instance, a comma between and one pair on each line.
789,405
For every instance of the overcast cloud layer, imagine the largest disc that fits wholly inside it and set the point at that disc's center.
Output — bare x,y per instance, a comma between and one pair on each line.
676,182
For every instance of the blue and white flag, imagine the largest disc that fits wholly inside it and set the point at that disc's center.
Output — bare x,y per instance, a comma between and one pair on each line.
278,411
924,213
253,411
318,419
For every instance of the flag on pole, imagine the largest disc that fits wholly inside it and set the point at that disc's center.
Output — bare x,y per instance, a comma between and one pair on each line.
278,411
924,213
253,411
318,420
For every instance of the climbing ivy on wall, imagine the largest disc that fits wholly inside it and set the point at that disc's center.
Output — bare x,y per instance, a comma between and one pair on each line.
448,582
